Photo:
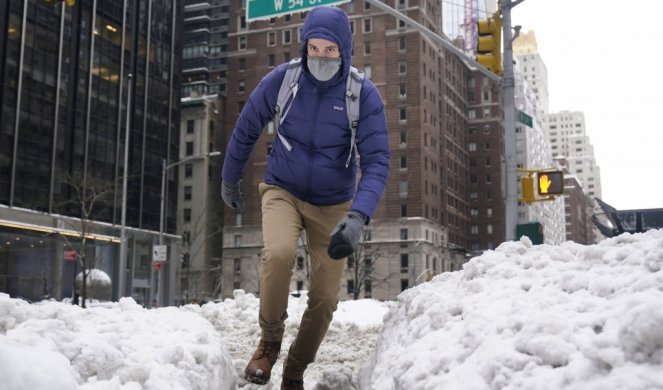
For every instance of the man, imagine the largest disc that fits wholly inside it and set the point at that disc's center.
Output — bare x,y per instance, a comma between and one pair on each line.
310,185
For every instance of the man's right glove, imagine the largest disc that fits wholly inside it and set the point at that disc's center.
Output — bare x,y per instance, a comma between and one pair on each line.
232,196
345,236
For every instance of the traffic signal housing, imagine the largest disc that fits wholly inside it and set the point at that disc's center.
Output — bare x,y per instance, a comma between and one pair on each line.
489,43
550,183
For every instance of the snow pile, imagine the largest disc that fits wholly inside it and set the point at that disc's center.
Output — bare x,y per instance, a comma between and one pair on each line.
53,345
532,317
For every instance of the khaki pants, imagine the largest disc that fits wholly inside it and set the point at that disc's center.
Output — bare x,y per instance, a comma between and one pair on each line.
283,219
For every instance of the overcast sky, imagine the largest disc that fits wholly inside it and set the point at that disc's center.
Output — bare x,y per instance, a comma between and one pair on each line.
602,59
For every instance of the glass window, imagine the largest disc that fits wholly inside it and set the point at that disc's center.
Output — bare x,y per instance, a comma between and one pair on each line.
188,170
189,126
188,192
189,148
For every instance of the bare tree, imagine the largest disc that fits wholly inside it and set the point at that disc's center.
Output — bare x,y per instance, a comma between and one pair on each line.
89,198
201,282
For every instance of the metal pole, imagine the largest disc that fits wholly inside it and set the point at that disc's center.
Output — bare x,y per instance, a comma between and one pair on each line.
164,169
121,283
511,196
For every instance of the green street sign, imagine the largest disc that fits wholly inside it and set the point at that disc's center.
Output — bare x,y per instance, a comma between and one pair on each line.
266,9
523,118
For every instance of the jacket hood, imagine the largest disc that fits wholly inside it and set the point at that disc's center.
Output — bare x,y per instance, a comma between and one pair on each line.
332,24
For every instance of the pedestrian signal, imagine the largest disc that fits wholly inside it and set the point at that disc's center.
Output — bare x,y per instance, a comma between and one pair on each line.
550,183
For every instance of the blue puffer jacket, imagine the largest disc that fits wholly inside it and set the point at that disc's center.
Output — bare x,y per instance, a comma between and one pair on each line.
317,128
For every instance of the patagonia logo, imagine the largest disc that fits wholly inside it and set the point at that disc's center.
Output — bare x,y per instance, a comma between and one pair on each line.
338,108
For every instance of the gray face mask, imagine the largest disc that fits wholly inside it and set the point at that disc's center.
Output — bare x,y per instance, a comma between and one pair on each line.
323,68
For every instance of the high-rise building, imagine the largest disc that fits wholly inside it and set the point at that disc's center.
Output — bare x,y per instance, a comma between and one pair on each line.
533,68
421,226
205,47
568,138
67,78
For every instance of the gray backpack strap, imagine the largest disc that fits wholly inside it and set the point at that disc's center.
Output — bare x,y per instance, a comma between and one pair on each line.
288,91
352,92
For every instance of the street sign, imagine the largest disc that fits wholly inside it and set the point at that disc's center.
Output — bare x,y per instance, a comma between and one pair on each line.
266,9
523,118
159,252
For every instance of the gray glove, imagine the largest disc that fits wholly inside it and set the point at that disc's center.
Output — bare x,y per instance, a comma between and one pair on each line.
345,236
232,195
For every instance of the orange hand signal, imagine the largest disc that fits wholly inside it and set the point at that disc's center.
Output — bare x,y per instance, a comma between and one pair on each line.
544,183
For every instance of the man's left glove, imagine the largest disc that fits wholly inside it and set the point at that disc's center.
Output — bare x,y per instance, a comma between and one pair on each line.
232,196
345,236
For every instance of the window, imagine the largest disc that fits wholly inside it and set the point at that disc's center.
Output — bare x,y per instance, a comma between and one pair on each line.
401,44
271,60
242,22
188,170
474,212
367,47
189,148
368,25
404,262
241,86
241,64
368,288
404,284
368,72
489,212
403,210
474,229
188,192
404,234
402,114
187,215
300,262
402,68
403,138
238,240
403,187
237,266
287,37
351,286
403,162
402,91
271,38
401,24
189,126
489,229
472,147
487,146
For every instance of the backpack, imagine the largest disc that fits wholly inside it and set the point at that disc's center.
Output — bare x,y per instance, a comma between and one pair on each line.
290,87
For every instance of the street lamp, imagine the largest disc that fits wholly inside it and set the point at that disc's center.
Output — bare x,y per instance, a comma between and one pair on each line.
162,215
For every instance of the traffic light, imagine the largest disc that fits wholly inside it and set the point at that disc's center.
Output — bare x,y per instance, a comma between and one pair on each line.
527,189
550,183
489,43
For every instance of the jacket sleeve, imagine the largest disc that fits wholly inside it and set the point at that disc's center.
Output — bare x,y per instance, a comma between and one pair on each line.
374,152
256,113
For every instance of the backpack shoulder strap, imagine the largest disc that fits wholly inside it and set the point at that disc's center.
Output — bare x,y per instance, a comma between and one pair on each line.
287,91
352,94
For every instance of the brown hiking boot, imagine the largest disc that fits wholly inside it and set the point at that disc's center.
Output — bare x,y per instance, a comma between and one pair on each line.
292,384
260,366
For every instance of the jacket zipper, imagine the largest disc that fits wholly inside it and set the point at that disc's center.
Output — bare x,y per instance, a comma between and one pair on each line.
311,143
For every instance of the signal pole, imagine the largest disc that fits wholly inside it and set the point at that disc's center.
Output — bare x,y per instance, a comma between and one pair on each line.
508,89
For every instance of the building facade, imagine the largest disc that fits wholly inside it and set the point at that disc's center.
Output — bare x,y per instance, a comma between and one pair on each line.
68,76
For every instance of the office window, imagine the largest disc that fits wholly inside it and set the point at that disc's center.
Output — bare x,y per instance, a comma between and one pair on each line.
188,170
188,192
271,38
242,22
287,37
403,138
189,148
190,126
404,234
403,162
403,210
186,215
403,187
241,43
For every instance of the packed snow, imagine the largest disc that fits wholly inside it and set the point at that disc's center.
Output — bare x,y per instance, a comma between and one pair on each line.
519,317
